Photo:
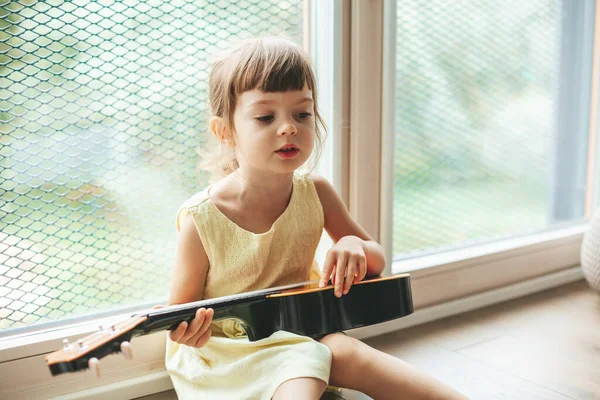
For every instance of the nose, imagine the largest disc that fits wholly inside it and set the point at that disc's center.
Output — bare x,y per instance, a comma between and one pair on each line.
287,129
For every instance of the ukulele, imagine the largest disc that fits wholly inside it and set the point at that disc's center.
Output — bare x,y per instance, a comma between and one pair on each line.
304,309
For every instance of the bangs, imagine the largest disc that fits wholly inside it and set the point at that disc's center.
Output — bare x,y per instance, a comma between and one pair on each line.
273,69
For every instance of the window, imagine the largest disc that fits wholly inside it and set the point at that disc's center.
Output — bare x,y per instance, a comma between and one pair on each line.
103,104
102,107
491,124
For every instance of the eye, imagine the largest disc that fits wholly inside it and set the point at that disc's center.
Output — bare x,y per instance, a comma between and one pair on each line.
265,118
304,115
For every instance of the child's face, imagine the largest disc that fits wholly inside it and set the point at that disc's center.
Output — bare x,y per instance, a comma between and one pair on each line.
266,123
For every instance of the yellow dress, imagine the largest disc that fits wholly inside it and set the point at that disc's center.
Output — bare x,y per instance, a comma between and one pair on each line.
229,366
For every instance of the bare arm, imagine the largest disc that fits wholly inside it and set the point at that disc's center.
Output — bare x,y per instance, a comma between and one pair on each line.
187,285
339,223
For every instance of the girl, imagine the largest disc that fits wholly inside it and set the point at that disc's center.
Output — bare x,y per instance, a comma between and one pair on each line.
258,226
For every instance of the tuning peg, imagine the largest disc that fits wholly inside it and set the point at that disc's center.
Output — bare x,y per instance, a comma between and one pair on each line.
94,365
126,350
66,344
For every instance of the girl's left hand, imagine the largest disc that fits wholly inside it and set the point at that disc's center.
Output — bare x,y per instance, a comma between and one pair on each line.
345,264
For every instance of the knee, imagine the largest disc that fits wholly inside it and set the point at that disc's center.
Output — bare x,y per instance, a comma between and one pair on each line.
345,350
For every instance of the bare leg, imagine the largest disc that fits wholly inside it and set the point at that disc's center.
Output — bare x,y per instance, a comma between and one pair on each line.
379,375
301,389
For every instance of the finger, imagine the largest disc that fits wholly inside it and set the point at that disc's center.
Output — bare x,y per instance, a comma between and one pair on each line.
193,327
362,269
207,321
178,332
327,267
203,339
205,332
350,273
340,271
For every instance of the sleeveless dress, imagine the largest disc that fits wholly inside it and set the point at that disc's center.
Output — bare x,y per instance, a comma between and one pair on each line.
229,366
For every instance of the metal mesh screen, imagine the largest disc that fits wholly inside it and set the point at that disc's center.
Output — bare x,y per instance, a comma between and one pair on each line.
475,114
102,106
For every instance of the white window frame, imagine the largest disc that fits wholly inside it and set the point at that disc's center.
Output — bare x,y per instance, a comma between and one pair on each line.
442,284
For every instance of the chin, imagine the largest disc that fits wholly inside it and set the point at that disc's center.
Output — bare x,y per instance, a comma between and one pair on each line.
285,166
288,169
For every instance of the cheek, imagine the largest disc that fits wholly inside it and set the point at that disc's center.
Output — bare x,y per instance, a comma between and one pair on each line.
254,143
311,140
310,135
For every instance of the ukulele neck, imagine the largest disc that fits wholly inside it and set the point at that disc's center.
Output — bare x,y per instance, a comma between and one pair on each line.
224,307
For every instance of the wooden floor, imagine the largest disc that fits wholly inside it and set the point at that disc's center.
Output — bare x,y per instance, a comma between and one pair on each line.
544,346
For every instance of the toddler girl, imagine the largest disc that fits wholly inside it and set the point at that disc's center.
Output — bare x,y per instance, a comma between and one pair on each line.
258,226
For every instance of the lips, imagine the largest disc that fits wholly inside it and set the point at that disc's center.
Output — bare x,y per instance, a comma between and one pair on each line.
288,151
288,147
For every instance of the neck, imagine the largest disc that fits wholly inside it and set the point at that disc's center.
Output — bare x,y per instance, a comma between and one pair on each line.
262,188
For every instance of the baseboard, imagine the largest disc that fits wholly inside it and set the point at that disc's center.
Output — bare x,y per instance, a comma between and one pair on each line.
160,381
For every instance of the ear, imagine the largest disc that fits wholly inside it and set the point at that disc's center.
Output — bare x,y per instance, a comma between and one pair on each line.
219,129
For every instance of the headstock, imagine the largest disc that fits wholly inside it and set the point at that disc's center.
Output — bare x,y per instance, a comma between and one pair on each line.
87,351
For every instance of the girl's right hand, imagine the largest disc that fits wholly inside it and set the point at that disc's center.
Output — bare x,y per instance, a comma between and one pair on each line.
197,333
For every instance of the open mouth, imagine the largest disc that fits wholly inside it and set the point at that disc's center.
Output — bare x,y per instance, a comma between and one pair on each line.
288,152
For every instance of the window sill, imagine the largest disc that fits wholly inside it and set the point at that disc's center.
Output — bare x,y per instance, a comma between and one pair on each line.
117,373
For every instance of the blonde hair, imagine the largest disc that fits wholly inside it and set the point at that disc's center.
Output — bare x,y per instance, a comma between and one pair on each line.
271,64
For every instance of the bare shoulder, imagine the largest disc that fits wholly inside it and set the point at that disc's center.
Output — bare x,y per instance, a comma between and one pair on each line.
318,179
188,234
331,201
324,189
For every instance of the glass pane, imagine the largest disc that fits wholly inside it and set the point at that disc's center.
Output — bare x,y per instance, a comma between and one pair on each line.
102,107
476,112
